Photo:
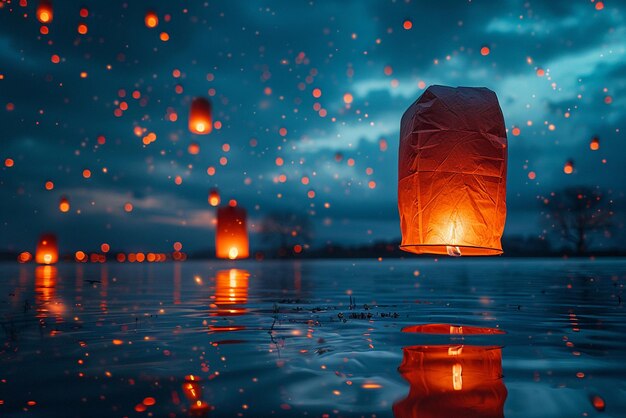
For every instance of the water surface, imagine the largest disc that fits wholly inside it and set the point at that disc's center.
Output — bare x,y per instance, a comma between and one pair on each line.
315,338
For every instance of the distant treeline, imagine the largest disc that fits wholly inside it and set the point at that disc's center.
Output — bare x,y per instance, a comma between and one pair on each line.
513,247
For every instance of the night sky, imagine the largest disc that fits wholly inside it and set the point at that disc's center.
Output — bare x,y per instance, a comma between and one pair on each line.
558,68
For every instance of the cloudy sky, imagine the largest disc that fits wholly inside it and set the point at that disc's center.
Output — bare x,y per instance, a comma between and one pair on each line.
558,68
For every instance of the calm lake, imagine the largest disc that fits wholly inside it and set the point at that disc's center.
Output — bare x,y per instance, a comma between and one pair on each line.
485,337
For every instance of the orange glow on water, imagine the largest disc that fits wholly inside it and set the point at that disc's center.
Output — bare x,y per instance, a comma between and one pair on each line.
452,381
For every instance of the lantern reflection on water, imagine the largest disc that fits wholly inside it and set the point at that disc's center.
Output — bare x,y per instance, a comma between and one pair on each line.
45,290
231,236
452,381
193,392
231,291
200,116
452,173
47,250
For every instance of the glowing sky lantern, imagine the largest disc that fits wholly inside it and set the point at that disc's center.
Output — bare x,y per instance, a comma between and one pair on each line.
231,237
47,250
594,145
452,173
568,168
200,116
44,11
151,19
452,381
214,197
64,204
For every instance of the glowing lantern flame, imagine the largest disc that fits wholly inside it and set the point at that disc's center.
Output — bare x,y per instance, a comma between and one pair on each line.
231,237
568,168
200,116
44,11
47,250
452,173
594,145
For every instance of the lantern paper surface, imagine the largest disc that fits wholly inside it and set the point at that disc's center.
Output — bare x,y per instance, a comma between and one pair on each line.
452,173
452,381
231,237
47,250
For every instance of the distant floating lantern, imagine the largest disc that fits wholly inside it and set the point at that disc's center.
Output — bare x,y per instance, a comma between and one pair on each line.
24,257
47,250
44,11
151,19
452,173
214,197
64,204
231,289
193,148
231,237
452,381
200,116
568,168
594,145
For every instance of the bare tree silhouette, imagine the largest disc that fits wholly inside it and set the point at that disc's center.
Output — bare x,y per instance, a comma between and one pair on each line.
577,215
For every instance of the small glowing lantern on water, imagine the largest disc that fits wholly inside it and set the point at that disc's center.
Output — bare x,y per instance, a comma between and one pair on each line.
47,250
214,197
452,381
44,11
45,290
231,236
452,173
200,116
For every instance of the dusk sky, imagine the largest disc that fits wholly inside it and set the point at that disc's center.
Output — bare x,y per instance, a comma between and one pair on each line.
557,67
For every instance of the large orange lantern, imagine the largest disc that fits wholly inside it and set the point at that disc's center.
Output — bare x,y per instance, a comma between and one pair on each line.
231,237
200,116
44,11
47,250
452,173
452,381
